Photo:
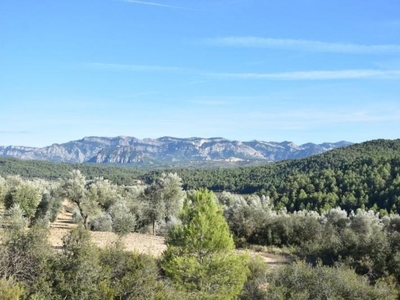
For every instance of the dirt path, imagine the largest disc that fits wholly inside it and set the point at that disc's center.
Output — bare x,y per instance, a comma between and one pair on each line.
143,243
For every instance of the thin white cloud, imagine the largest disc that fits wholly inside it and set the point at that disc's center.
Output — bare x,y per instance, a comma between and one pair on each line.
297,75
318,117
155,4
302,45
313,75
304,120
129,67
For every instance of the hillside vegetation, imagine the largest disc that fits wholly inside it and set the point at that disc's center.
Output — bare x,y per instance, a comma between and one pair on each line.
365,175
51,171
336,212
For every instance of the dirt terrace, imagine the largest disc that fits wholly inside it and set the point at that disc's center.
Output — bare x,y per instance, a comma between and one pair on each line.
143,243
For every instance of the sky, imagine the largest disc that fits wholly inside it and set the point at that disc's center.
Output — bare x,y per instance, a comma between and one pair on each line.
288,70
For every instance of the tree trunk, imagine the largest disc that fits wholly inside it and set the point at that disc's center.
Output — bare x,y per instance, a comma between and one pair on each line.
85,222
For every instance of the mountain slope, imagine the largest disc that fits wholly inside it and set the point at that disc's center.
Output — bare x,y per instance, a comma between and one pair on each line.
365,175
130,150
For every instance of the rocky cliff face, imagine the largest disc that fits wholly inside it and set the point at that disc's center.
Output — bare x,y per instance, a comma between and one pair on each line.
130,150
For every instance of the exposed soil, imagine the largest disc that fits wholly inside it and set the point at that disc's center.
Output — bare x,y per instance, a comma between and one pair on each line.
143,243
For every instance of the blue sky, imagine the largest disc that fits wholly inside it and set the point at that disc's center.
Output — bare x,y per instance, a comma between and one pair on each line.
301,71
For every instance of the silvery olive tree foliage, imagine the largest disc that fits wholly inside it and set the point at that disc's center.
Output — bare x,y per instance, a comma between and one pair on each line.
303,281
123,221
26,195
104,192
101,205
163,199
50,204
133,197
37,199
78,190
103,222
245,214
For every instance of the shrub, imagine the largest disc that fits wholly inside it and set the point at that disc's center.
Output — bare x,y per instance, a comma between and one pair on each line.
10,290
26,196
123,222
302,281
101,223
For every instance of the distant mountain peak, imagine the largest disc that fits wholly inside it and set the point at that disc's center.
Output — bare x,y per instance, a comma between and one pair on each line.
130,150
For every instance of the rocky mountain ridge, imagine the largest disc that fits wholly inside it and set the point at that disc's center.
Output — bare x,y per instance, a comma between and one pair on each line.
131,150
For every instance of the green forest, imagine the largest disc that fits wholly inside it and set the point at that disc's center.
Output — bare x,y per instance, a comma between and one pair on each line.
365,175
334,215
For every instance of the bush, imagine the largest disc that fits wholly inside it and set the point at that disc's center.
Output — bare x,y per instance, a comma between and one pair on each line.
255,286
78,273
101,223
132,275
26,196
302,281
123,222
10,290
15,220
76,216
49,207
25,255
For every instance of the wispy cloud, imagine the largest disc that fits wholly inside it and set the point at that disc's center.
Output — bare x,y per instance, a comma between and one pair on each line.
129,67
302,45
318,117
313,75
297,75
292,122
155,4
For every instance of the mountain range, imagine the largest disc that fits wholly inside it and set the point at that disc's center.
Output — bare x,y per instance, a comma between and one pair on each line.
131,150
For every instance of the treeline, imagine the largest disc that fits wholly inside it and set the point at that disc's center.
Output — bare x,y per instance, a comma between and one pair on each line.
364,175
361,240
199,262
51,171
98,204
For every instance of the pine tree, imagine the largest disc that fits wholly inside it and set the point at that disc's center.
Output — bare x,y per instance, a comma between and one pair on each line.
199,259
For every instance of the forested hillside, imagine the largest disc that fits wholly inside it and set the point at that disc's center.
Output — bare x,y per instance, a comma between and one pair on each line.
365,175
50,170
353,251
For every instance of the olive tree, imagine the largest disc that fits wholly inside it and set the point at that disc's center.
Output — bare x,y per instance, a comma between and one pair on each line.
77,189
162,199
26,195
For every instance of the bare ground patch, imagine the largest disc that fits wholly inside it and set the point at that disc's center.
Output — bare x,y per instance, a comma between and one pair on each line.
142,243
